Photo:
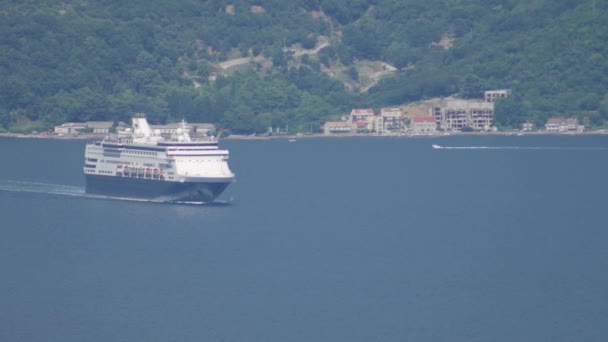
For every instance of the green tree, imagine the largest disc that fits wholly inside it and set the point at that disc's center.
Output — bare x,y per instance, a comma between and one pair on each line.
130,56
352,73
278,57
603,111
399,54
471,87
167,69
364,39
509,113
5,118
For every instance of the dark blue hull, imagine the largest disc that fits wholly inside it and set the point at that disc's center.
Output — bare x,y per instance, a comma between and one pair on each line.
152,189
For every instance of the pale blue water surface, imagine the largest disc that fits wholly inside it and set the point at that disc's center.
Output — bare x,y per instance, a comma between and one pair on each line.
379,239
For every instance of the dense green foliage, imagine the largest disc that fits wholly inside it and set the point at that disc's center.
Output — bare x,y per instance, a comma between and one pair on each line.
104,60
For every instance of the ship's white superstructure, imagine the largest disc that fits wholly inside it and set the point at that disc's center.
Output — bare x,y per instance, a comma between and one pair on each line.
143,164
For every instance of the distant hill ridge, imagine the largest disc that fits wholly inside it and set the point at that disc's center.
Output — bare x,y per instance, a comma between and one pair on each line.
305,61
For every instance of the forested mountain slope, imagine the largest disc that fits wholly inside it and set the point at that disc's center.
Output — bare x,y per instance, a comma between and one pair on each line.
104,60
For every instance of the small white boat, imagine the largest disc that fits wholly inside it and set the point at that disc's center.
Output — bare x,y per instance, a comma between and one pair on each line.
436,146
292,140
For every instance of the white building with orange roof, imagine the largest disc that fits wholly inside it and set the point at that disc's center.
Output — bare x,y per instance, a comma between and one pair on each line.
423,125
561,124
363,119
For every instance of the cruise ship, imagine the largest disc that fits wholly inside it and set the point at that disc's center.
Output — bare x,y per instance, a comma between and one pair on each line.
143,164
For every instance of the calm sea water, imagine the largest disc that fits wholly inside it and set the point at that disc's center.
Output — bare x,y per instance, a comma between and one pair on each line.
325,240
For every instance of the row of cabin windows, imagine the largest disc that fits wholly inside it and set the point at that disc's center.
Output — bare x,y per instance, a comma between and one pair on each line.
205,160
117,153
141,153
122,162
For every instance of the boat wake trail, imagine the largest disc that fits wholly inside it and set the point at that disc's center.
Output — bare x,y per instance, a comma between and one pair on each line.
41,188
438,147
77,191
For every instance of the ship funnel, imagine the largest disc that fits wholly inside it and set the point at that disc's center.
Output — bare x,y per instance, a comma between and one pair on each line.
141,127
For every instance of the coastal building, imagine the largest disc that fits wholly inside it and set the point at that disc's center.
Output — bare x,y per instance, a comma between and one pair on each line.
391,120
527,126
459,114
202,129
99,127
493,95
423,125
556,125
363,119
337,127
69,128
191,127
362,126
378,124
170,128
95,127
358,114
481,117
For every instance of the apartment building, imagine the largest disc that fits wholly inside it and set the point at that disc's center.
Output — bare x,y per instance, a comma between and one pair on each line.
459,114
493,95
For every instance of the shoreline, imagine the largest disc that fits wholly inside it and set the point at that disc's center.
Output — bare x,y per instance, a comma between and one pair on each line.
320,135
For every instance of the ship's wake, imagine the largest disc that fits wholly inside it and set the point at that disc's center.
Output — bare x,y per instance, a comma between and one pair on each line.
438,147
41,188
78,191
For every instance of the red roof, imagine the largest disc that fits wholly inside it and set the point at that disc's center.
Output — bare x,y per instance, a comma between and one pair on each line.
366,111
556,120
361,124
423,119
390,110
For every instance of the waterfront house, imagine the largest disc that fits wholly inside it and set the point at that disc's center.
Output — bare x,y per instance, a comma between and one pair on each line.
363,119
555,125
332,127
423,125
99,127
69,128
